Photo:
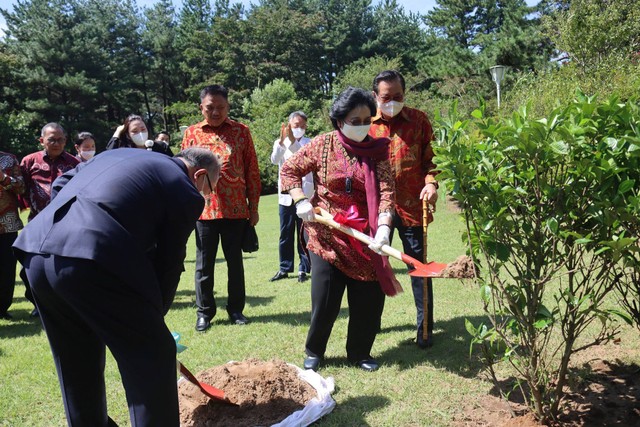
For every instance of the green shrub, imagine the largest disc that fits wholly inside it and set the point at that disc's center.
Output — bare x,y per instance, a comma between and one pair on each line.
549,206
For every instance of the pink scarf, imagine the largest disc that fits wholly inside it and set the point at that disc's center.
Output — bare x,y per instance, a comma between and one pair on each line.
369,151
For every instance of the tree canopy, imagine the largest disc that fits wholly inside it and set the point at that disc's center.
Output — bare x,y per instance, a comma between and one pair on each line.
88,64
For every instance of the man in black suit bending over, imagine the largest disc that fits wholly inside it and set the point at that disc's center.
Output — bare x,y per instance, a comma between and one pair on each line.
104,260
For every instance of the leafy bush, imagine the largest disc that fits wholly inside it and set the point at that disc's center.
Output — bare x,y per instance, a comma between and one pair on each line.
267,109
549,205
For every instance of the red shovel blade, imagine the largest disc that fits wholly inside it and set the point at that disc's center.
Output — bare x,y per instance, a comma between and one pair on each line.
208,390
419,269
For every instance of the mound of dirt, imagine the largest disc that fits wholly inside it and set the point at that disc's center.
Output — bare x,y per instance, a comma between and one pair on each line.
266,393
462,268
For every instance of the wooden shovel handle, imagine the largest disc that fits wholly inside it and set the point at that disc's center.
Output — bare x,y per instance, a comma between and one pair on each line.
324,217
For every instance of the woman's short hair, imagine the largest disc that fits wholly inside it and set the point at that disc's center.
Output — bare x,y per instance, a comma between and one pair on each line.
349,99
82,136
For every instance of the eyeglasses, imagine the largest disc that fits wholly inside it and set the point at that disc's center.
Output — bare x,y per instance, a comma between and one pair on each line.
209,183
358,122
53,141
387,98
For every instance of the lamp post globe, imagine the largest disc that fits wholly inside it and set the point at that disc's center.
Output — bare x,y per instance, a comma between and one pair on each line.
497,74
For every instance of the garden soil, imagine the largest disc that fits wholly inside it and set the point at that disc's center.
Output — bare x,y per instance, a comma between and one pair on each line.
461,268
603,393
266,392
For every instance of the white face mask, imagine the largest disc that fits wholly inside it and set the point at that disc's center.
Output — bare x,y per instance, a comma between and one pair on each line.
355,133
391,108
139,138
298,132
87,154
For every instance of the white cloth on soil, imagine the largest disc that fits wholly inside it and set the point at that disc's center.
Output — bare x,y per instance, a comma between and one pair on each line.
317,407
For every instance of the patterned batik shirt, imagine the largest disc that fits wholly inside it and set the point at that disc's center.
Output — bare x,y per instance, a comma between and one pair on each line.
39,171
238,191
411,158
331,165
10,187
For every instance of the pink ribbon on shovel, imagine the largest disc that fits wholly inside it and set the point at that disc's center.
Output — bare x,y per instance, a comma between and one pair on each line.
352,219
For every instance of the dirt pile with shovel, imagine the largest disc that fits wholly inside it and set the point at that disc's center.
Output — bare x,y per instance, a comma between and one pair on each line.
462,268
266,392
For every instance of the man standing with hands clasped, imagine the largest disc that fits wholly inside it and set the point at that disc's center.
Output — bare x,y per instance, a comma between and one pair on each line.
291,140
233,202
411,158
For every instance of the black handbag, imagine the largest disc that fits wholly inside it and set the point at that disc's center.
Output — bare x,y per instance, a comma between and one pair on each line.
250,239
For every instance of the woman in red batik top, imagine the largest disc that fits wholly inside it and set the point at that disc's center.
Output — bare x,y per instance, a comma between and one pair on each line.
354,183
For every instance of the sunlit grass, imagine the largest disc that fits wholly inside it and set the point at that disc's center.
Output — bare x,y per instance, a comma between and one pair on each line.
413,388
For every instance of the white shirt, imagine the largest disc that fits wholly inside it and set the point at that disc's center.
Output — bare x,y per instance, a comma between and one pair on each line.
279,155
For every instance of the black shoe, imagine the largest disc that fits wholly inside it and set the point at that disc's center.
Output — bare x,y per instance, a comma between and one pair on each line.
279,275
238,319
35,313
302,277
311,362
202,324
6,316
422,343
368,365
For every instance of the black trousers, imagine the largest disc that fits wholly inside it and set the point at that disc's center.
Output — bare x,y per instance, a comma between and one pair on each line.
84,308
366,303
290,227
7,270
413,245
209,234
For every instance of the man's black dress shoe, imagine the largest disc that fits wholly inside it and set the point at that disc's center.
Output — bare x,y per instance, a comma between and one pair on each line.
35,313
311,362
238,319
202,324
422,343
279,275
6,316
368,365
302,277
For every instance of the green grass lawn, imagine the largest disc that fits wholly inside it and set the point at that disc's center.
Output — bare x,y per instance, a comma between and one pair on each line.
414,387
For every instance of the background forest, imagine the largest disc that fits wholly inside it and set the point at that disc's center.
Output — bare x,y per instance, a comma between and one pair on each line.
88,64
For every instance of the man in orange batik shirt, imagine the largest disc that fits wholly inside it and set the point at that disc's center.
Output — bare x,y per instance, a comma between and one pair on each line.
233,201
411,158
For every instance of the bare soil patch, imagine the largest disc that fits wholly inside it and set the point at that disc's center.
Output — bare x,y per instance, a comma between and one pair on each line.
266,393
602,393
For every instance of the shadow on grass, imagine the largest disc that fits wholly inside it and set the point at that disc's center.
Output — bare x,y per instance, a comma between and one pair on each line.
450,350
186,298
220,260
22,325
351,412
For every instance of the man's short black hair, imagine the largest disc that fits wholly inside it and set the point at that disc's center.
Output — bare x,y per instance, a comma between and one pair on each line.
213,90
388,76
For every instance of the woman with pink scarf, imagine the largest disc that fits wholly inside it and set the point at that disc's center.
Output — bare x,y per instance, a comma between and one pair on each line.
354,183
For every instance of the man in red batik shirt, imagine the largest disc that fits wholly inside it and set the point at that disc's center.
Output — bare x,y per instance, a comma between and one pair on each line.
39,170
233,202
411,158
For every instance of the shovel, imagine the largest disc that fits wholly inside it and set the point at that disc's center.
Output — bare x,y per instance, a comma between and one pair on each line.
418,269
208,390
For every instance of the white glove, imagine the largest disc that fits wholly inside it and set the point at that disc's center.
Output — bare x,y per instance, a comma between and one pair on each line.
304,210
381,239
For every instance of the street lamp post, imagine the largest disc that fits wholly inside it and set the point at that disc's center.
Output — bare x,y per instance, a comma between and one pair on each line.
497,73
